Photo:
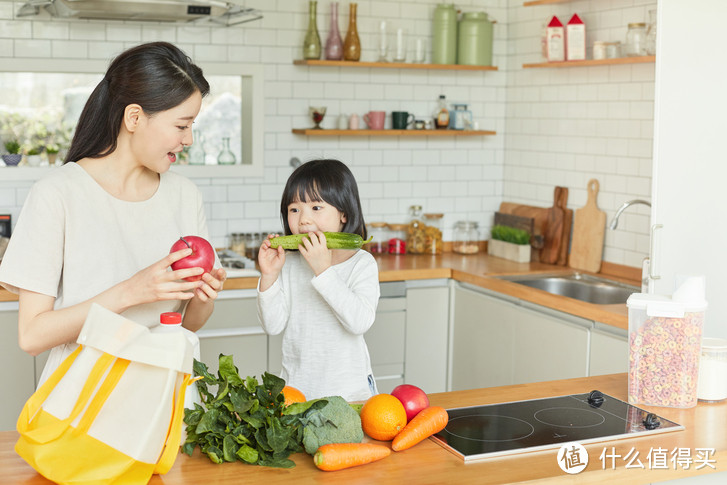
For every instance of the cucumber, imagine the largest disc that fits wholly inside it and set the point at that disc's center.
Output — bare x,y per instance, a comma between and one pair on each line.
334,240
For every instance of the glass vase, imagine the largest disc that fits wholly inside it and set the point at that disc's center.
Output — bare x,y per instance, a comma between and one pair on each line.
312,41
352,44
226,157
651,34
196,150
334,44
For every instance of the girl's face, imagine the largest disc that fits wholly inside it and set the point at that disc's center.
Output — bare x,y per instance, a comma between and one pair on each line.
159,138
305,217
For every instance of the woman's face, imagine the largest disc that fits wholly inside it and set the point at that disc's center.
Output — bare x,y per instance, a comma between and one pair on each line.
160,137
305,217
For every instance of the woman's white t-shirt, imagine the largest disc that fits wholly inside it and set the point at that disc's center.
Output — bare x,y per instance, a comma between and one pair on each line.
73,240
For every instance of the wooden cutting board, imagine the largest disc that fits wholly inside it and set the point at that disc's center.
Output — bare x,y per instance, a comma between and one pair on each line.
554,229
567,226
589,228
538,214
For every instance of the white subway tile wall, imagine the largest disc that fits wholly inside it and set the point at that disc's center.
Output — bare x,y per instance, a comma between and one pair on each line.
554,126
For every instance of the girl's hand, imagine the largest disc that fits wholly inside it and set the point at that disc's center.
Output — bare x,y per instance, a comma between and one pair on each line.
213,282
270,262
316,253
157,283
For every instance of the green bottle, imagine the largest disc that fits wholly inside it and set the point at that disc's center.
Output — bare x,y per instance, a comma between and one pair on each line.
444,44
474,40
312,41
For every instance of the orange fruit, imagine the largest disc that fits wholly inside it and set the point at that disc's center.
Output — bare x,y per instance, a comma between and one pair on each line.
292,395
382,417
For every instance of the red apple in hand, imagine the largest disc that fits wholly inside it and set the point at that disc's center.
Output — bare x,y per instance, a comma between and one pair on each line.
413,399
203,255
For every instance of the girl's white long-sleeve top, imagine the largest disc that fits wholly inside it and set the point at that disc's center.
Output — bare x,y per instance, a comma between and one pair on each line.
324,318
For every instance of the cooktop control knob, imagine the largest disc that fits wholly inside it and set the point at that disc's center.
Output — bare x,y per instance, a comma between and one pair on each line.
651,421
595,399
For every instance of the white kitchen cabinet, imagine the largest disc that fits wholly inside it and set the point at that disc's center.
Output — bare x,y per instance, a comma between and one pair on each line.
688,171
482,344
427,334
19,368
233,329
609,352
498,340
385,338
548,345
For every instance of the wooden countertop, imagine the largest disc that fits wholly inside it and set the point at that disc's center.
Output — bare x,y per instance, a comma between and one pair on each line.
428,462
480,270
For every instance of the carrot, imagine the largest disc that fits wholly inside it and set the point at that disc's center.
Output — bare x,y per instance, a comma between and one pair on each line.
337,456
428,421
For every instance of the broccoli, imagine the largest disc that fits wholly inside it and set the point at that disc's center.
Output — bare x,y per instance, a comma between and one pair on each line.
336,422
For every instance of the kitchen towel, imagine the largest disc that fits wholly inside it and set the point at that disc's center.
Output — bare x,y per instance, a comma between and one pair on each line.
112,412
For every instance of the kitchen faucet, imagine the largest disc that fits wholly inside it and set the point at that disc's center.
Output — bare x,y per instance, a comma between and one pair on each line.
620,210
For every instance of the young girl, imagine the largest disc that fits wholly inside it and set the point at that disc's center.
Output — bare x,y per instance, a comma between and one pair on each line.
324,300
99,228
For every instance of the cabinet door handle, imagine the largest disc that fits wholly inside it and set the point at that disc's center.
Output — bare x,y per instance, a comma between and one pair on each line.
652,255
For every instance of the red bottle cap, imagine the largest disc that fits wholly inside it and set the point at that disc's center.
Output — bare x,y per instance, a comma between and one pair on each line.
170,318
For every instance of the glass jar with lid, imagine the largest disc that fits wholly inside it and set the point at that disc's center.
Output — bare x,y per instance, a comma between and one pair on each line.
466,238
433,243
379,231
415,230
636,39
397,238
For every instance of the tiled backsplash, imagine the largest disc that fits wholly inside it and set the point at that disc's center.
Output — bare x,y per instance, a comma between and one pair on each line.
554,126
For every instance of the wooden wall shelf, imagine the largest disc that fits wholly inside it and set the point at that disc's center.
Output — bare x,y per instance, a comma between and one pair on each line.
419,133
391,65
594,62
532,3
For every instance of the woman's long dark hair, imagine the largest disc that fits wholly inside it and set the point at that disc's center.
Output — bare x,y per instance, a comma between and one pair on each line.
157,76
329,181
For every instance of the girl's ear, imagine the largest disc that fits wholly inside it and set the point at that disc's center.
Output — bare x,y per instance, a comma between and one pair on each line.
344,219
132,117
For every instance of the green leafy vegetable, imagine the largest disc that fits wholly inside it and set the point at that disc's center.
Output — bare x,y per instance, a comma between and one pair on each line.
510,234
243,420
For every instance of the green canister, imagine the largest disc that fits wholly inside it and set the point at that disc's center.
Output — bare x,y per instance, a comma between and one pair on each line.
474,40
444,44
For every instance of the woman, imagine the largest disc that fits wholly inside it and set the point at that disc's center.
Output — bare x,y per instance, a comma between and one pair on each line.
99,228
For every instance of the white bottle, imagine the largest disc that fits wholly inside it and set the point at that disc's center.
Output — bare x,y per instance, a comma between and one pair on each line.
172,322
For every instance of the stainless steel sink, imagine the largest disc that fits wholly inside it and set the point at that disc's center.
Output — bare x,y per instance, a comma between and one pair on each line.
583,287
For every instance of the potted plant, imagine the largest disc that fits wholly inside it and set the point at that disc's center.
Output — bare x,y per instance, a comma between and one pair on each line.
51,152
509,243
13,156
32,156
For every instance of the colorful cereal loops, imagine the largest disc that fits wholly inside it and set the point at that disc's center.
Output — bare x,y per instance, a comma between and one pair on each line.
664,361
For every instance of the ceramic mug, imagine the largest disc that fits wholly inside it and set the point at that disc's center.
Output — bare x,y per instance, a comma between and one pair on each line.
375,119
401,120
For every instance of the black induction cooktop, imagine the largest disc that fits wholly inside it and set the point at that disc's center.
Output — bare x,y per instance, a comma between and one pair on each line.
478,432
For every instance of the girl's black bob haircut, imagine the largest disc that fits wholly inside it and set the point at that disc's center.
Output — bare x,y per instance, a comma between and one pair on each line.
328,181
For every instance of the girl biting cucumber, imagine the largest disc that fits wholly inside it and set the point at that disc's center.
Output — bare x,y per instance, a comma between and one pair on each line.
323,295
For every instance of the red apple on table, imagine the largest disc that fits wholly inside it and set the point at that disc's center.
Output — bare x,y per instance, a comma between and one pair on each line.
203,255
413,399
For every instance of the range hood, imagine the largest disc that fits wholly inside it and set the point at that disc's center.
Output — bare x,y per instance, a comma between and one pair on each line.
179,11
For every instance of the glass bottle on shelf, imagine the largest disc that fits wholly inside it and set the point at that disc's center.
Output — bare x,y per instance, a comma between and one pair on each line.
397,238
334,44
441,115
651,34
226,157
196,150
433,243
380,233
312,41
466,238
636,39
415,231
352,44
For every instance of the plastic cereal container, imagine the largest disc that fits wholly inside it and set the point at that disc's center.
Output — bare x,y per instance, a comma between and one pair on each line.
665,340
